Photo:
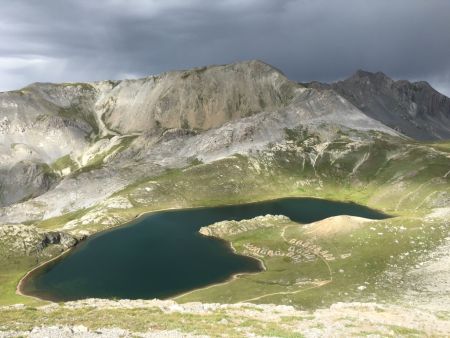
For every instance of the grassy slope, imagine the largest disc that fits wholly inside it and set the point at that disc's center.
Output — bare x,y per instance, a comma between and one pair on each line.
397,177
443,146
356,274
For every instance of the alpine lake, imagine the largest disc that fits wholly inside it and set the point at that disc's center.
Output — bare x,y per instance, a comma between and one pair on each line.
162,254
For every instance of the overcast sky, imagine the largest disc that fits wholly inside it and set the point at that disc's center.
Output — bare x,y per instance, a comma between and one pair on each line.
85,40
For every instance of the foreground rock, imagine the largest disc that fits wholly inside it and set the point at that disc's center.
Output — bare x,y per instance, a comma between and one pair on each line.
200,320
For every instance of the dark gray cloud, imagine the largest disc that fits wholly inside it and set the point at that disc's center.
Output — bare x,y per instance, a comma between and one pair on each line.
83,40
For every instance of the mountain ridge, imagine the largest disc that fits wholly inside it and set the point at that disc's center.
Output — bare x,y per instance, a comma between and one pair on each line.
54,130
415,109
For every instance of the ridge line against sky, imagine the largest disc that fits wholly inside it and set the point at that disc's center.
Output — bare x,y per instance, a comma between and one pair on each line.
83,40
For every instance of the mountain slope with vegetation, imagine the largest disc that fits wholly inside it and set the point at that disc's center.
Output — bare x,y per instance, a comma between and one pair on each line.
227,135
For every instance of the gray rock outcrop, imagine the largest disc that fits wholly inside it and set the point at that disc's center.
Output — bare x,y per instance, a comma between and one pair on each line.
200,98
24,180
414,109
63,239
19,240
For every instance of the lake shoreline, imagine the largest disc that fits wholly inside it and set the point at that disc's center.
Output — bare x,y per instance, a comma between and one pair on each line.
228,280
19,287
20,284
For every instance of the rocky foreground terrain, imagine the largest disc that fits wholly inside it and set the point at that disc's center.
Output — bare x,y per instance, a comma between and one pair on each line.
78,158
169,319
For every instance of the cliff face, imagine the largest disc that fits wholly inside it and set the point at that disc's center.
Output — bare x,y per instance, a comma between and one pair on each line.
25,180
201,98
414,109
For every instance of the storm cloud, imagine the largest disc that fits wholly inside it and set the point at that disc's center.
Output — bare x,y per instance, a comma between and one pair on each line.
85,40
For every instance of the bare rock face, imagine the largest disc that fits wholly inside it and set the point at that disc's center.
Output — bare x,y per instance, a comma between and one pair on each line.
201,98
39,124
53,118
414,109
63,239
18,240
25,180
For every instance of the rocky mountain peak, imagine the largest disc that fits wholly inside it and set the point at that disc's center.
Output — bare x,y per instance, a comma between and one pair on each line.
255,65
360,73
199,98
415,109
366,78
